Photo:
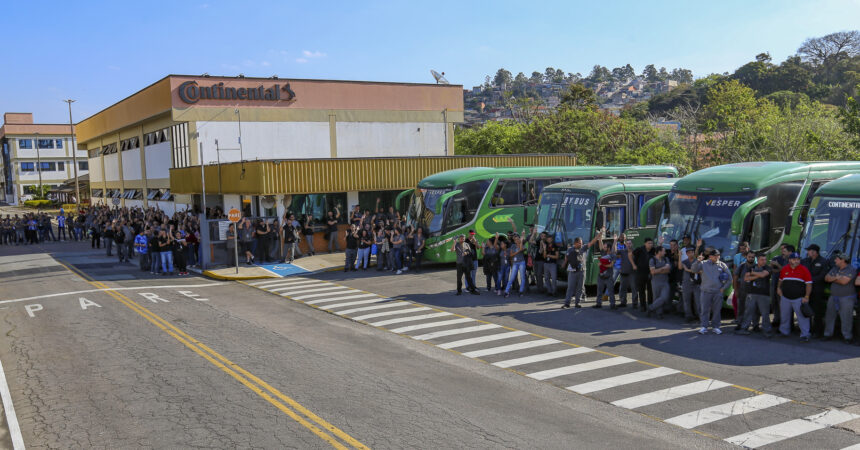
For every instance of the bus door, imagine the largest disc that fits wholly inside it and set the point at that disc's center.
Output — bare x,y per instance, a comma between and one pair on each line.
614,208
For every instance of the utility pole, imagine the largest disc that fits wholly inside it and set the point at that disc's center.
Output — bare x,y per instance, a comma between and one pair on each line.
38,163
74,157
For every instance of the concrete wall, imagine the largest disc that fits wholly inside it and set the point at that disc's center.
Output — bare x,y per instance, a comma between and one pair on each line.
111,167
131,164
359,139
265,140
158,160
95,170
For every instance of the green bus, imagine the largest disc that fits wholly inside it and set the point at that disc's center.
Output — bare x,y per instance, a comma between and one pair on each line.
580,208
832,222
764,203
488,199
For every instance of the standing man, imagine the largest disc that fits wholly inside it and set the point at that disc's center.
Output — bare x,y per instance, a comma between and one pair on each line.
464,265
627,278
690,286
795,285
660,267
365,240
61,228
739,283
757,289
818,267
716,277
473,246
550,265
536,249
119,238
843,296
575,262
641,258
606,276
331,229
777,264
351,247
141,244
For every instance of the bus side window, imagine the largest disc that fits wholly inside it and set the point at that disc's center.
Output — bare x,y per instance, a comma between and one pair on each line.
508,193
652,215
615,216
535,187
804,209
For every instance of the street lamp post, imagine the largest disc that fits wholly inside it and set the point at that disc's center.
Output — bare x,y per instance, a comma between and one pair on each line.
74,149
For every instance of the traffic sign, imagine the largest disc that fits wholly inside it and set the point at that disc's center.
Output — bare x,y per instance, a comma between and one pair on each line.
234,215
115,201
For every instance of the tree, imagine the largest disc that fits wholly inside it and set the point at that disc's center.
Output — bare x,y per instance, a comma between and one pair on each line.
682,76
520,84
558,77
758,75
629,73
763,57
548,75
662,74
536,78
849,115
649,73
831,48
599,74
618,74
578,96
503,79
492,138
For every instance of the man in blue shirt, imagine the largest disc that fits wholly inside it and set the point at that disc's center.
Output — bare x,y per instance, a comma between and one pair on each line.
141,244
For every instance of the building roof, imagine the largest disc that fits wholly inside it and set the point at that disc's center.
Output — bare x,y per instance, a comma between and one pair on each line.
756,175
21,124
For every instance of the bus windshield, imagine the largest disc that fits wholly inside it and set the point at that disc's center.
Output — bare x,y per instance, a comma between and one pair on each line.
422,209
834,227
566,216
704,216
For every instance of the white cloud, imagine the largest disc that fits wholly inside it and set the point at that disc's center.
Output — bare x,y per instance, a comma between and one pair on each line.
265,64
301,60
314,55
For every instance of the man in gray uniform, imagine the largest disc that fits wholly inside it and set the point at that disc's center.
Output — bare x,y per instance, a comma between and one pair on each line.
575,262
757,287
843,295
716,277
660,268
627,278
690,291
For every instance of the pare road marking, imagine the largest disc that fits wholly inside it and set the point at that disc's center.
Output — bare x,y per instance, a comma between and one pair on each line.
87,291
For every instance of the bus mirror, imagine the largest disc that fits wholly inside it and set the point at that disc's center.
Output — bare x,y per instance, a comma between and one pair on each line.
643,212
400,197
742,212
444,198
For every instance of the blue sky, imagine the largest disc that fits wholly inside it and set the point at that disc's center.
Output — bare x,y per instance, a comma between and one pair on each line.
99,52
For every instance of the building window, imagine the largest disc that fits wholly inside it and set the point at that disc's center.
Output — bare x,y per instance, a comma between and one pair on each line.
152,194
47,166
108,149
166,196
97,193
128,144
25,143
156,137
83,165
61,165
30,189
59,143
179,145
45,143
28,167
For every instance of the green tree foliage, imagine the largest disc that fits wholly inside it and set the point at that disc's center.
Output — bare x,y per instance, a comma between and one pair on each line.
578,96
849,115
492,138
503,78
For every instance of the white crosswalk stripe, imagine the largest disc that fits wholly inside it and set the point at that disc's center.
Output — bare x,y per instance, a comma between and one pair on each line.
431,325
577,368
302,290
279,280
289,283
543,357
331,292
391,313
478,340
621,380
792,428
456,331
382,323
357,302
510,348
719,412
341,297
374,307
671,393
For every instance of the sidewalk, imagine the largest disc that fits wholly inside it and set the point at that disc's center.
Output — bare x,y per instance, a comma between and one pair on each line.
321,262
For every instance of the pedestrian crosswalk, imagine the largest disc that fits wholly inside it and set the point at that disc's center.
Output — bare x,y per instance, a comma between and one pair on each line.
717,408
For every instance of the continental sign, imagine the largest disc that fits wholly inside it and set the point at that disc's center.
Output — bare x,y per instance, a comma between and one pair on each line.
191,92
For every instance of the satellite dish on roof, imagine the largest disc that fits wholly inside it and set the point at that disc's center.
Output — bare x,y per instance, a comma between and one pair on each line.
440,77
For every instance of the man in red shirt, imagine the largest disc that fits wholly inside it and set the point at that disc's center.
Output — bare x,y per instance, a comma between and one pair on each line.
795,285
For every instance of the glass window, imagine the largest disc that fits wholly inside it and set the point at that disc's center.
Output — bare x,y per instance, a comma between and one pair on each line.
83,165
653,213
508,193
152,193
166,196
28,167
465,205
615,220
30,189
48,166
45,143
59,143
759,235
368,200
61,165
97,193
25,143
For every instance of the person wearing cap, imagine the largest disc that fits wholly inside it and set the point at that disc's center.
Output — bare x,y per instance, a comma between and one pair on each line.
795,285
716,278
818,268
757,287
843,296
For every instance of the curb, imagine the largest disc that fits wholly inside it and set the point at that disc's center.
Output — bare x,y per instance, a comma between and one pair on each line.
215,276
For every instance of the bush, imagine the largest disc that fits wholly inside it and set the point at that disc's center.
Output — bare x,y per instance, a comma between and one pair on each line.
37,203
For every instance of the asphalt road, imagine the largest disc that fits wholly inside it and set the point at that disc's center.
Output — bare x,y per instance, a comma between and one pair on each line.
98,356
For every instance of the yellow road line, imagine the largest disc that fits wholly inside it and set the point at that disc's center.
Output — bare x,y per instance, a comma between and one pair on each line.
232,368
